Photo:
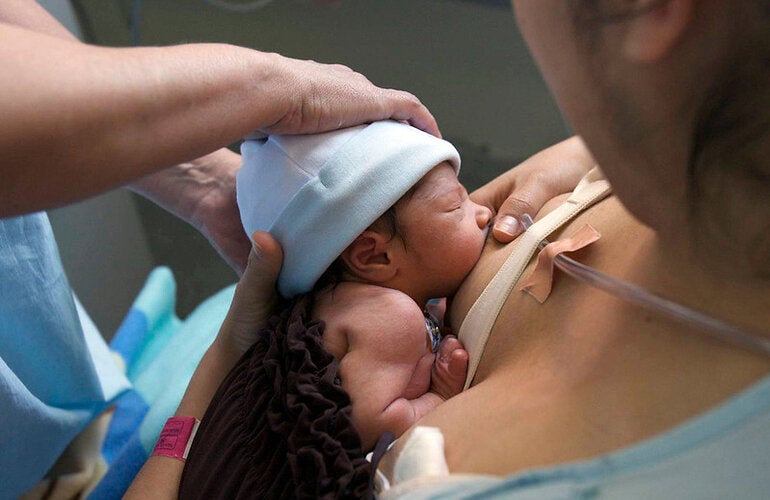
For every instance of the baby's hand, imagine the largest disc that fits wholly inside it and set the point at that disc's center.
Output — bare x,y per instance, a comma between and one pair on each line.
449,369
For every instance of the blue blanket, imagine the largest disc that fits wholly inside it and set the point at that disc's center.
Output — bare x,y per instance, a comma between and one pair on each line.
160,353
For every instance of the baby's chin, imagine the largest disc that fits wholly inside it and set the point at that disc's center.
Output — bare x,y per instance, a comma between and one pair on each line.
455,287
460,282
488,239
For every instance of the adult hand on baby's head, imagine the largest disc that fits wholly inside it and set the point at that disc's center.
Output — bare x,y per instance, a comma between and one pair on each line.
450,368
332,96
202,193
254,296
216,213
527,187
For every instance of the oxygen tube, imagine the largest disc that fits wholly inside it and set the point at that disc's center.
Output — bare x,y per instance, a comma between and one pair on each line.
643,297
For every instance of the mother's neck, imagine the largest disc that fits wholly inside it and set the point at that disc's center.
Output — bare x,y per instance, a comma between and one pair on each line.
675,269
628,358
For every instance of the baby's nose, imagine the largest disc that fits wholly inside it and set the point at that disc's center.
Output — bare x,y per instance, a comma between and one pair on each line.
483,216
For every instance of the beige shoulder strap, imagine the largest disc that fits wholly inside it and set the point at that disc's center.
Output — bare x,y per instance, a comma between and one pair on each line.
480,319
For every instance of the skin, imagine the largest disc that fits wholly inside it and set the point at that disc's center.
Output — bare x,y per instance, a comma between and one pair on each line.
79,120
590,379
145,136
525,188
386,363
438,219
145,96
111,117
153,145
585,373
574,381
252,303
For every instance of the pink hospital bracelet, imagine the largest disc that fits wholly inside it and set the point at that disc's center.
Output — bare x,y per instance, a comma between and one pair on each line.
176,438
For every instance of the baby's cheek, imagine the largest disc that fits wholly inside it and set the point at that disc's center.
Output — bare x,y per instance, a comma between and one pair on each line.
336,344
340,378
469,258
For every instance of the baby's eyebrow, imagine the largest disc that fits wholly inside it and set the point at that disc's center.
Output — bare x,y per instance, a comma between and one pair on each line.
456,189
435,193
436,189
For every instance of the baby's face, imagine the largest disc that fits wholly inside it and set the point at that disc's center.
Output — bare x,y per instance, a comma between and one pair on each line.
443,231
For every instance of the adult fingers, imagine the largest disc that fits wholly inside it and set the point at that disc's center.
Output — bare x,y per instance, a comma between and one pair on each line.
527,187
257,285
526,199
522,190
508,198
332,96
407,107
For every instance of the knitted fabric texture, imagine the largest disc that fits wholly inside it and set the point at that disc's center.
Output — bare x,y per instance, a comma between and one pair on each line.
316,193
280,424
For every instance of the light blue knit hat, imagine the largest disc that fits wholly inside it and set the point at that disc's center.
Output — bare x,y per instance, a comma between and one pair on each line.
316,193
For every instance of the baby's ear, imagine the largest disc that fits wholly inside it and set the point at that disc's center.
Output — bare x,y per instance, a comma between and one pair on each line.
368,259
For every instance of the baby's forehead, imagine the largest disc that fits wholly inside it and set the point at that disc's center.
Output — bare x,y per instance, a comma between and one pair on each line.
439,176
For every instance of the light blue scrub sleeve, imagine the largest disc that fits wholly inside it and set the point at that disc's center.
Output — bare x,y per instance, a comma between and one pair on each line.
56,373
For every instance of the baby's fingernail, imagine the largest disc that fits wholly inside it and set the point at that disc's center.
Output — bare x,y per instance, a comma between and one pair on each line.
508,225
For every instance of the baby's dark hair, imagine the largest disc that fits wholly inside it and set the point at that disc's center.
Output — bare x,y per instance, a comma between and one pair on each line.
335,273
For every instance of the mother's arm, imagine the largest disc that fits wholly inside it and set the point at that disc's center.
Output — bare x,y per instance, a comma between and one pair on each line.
254,297
525,188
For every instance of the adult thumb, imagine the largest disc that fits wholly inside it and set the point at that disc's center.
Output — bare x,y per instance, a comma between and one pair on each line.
255,294
527,199
265,258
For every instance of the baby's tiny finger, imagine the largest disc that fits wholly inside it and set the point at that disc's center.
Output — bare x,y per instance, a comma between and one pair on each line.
447,346
458,363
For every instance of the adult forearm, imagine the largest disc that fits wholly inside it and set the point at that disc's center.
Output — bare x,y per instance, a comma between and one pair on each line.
252,303
160,476
30,15
103,117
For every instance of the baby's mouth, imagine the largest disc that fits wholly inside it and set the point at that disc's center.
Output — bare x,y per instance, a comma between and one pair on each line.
490,225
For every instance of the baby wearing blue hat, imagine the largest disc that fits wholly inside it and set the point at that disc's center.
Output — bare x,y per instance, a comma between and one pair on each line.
373,223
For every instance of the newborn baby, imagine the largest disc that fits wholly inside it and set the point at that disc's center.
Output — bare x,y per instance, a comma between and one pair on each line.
374,223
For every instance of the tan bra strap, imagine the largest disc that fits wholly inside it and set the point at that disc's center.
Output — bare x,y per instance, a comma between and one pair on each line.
481,317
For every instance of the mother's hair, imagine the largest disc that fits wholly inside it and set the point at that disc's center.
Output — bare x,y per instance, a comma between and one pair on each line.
728,173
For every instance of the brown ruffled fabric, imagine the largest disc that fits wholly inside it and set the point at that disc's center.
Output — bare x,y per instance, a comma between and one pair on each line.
279,426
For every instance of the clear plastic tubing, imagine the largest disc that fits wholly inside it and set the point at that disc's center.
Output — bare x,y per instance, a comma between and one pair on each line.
643,297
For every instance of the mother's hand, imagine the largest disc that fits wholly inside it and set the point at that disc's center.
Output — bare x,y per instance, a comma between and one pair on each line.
527,187
255,295
249,312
